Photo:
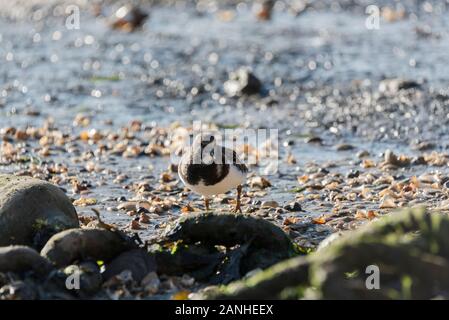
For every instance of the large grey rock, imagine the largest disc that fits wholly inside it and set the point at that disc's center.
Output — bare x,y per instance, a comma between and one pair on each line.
31,211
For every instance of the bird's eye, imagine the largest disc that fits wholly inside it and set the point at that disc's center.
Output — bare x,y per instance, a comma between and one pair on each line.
211,138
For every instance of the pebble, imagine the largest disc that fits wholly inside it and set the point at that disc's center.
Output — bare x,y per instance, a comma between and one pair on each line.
242,82
134,225
392,86
387,203
128,18
417,161
353,174
344,147
294,206
363,154
270,204
424,146
259,182
392,159
151,283
316,140
262,213
127,206
144,218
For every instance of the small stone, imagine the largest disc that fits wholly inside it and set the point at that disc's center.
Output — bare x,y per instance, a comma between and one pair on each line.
263,9
259,182
367,163
392,86
127,206
261,213
344,147
270,204
134,225
173,168
390,14
417,161
143,210
424,146
166,177
128,18
353,174
84,202
316,140
120,178
144,218
392,159
131,213
387,203
363,154
143,205
187,280
242,82
18,290
294,207
151,283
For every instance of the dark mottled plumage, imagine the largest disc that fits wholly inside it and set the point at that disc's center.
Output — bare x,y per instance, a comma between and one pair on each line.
209,169
213,173
241,166
210,174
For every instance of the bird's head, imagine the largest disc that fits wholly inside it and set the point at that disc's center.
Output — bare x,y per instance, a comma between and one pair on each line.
204,140
204,147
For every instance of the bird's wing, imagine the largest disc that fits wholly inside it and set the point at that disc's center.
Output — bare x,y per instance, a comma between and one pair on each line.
229,156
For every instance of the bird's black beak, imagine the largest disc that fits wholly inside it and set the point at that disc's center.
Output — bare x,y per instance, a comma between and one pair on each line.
205,143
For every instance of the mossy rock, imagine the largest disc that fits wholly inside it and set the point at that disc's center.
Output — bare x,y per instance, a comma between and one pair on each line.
410,248
31,211
251,243
69,246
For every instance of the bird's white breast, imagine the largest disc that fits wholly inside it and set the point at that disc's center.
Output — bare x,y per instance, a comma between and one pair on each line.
234,178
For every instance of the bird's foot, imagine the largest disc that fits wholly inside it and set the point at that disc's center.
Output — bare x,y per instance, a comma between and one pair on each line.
237,209
206,204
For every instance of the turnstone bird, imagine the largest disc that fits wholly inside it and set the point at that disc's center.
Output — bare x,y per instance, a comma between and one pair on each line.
209,169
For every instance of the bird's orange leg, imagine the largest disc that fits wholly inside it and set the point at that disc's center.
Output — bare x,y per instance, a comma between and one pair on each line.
237,205
206,203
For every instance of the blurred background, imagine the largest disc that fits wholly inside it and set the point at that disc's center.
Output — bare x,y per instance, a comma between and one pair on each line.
161,59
